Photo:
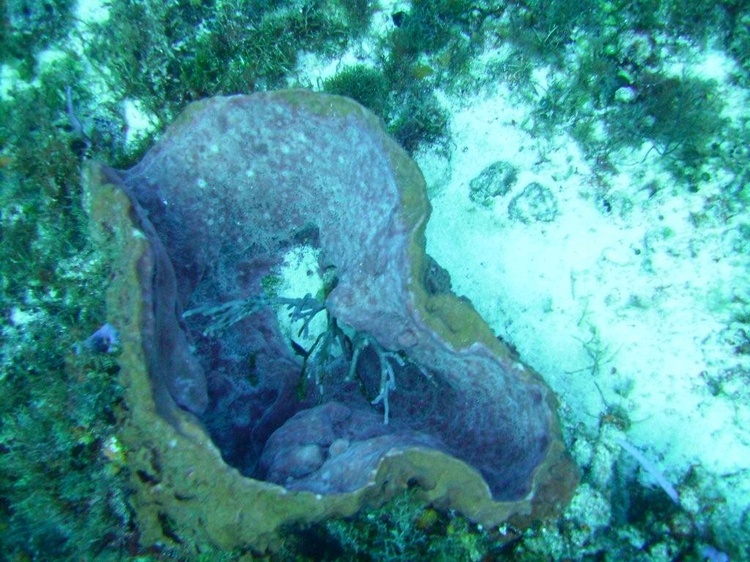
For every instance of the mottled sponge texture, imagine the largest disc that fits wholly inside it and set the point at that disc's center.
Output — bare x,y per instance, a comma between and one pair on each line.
234,184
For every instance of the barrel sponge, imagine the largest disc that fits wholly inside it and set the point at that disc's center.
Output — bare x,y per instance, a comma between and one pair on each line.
229,441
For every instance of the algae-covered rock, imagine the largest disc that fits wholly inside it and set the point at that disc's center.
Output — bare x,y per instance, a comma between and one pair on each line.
536,203
233,431
495,180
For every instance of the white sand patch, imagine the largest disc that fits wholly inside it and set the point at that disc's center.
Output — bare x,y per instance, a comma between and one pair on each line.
139,122
10,80
633,300
298,276
91,11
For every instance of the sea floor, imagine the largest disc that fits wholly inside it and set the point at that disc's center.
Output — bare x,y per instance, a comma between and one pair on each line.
622,286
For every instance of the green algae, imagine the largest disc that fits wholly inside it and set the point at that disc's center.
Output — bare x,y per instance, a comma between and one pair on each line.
30,26
363,84
168,54
59,409
401,529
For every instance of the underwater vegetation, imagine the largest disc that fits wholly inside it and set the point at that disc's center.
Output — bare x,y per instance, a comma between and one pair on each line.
402,529
59,463
166,54
30,26
64,489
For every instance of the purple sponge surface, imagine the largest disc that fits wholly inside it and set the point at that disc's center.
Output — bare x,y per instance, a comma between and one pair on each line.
231,187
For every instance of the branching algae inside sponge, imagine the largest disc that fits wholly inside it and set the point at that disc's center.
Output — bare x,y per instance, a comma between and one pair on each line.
235,428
